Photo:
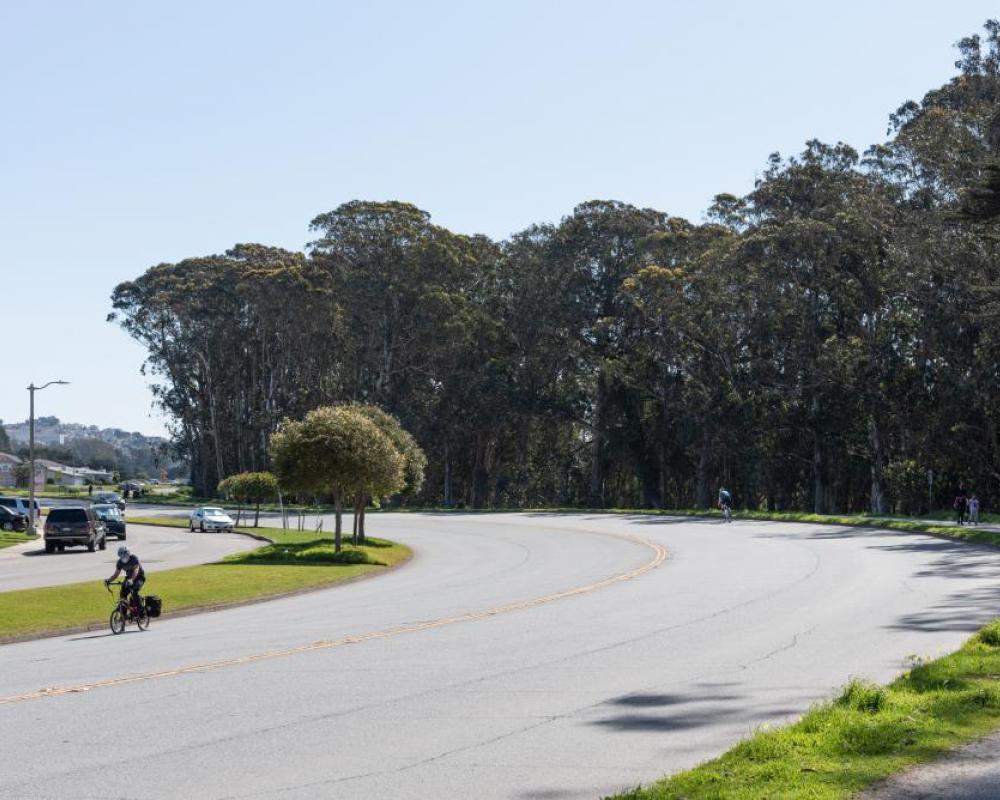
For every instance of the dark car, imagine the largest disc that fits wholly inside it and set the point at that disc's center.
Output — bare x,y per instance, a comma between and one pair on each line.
112,518
11,520
110,498
74,525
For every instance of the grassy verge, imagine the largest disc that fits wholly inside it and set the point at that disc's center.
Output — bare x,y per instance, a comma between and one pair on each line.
868,733
929,524
295,562
9,538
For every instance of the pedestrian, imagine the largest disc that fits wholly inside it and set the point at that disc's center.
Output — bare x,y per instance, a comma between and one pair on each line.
90,490
974,509
961,506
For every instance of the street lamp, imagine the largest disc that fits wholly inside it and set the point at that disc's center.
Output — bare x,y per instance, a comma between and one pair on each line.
31,451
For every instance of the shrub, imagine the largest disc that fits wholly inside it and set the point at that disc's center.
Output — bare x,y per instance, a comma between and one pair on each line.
863,696
990,634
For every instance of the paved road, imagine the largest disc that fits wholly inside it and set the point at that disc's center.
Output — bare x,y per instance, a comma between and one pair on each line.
27,565
406,686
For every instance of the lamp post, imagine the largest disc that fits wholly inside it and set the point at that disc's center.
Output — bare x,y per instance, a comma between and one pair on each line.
31,451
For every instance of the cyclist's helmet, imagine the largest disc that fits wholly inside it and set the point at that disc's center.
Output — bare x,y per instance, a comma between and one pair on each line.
123,552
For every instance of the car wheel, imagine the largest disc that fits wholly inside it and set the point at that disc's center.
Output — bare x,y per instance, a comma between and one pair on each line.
202,529
61,548
191,527
121,537
50,547
91,546
104,543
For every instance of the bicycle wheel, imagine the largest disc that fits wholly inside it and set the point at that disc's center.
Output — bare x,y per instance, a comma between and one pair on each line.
117,621
142,618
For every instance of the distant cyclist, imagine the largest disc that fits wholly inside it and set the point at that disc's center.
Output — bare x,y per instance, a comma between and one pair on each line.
135,577
726,504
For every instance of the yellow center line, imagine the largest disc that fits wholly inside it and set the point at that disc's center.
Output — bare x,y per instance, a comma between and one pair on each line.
660,555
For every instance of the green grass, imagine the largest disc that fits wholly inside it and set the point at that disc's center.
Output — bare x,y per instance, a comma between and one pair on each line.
10,538
296,561
926,524
868,733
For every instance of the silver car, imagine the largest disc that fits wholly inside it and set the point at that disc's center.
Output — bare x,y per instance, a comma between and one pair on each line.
210,518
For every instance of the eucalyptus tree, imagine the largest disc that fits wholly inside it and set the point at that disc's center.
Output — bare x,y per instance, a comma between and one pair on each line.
597,247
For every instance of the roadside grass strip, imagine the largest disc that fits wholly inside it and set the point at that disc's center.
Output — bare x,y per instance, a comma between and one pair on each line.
929,525
866,734
10,538
296,561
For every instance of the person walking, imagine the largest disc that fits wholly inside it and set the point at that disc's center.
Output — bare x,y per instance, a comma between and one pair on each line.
974,509
961,506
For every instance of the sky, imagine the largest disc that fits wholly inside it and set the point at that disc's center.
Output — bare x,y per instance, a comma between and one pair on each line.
133,134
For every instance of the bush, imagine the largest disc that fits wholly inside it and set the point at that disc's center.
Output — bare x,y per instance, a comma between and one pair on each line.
990,634
863,696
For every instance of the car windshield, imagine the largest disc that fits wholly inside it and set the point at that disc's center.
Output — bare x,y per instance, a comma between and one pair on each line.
107,511
215,512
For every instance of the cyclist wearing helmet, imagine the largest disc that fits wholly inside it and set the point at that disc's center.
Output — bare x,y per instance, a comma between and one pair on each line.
725,503
135,577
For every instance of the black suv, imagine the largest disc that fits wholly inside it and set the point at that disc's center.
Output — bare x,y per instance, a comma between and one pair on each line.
112,519
11,520
71,525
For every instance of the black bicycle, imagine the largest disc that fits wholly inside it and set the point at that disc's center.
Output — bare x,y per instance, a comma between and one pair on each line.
126,612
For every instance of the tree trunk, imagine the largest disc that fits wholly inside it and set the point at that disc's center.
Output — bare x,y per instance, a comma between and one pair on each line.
703,497
357,515
819,489
361,522
596,495
878,500
338,510
447,476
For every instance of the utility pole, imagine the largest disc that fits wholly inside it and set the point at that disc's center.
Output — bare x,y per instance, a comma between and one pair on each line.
31,451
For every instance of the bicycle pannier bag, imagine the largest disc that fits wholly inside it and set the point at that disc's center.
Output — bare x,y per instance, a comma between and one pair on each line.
153,605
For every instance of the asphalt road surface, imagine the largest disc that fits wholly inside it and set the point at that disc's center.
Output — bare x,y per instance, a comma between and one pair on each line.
26,566
499,663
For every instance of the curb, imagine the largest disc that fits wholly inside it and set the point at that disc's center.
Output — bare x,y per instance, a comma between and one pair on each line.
205,609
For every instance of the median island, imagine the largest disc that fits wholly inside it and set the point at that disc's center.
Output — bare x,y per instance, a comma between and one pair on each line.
293,561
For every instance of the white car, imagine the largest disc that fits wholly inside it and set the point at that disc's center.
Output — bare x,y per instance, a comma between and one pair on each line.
209,518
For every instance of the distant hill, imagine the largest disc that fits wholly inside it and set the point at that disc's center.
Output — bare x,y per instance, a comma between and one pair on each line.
129,452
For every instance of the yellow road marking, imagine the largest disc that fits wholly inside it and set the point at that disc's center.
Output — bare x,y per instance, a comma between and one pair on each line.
660,555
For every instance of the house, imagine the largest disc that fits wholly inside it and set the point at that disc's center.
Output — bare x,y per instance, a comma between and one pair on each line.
52,472
7,464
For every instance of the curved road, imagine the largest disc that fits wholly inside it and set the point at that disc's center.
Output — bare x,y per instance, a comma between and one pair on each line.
477,671
26,566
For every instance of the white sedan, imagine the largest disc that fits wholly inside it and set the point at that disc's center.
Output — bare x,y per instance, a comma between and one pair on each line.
209,518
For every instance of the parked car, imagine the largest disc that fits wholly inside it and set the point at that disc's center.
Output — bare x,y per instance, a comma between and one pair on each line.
112,518
20,505
11,520
102,498
74,525
210,518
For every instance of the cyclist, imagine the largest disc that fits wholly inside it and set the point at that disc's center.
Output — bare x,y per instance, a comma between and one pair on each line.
726,504
135,577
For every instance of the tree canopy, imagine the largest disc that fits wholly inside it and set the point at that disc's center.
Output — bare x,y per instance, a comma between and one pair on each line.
820,342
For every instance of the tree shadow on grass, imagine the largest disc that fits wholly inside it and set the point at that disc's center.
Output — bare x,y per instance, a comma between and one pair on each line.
313,553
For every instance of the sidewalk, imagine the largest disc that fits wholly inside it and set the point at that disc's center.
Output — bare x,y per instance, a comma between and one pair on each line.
969,773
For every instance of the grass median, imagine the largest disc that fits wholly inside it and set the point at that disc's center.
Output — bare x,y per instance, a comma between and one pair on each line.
868,733
296,561
10,538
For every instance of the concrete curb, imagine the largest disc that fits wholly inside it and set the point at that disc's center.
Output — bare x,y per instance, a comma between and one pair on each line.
204,609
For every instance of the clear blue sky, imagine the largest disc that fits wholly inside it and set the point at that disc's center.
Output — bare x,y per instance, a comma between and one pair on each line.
134,133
